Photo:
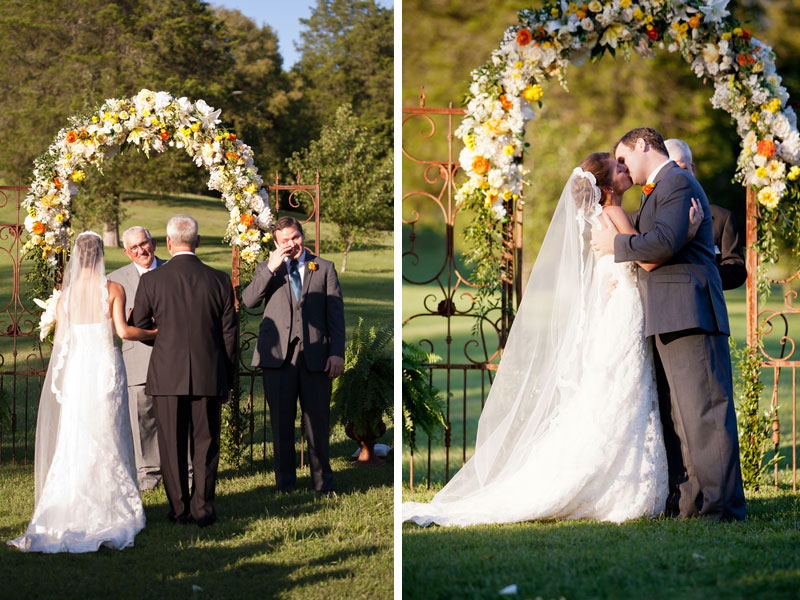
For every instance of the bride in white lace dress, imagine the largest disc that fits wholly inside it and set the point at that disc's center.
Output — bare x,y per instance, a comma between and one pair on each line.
86,490
571,427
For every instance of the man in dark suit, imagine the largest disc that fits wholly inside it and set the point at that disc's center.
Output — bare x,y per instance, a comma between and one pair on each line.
300,347
727,247
191,368
140,247
685,314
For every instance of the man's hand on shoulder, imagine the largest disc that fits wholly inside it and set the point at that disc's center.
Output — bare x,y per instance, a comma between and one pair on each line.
334,366
603,239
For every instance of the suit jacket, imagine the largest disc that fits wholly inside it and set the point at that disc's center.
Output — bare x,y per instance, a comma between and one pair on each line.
194,353
322,314
686,291
136,355
727,247
730,256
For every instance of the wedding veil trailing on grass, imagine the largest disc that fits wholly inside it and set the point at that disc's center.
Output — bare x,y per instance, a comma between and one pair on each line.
541,365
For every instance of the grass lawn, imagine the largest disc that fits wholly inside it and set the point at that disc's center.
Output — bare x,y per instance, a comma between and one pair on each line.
273,546
655,559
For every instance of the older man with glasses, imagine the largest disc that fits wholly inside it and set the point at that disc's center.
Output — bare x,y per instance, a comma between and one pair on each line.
140,248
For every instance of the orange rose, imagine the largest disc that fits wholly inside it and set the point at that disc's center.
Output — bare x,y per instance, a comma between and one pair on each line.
164,134
524,37
246,219
71,137
505,102
647,189
766,148
38,228
480,165
84,134
312,266
57,182
231,155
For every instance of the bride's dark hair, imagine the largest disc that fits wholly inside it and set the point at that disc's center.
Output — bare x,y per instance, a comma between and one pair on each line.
599,165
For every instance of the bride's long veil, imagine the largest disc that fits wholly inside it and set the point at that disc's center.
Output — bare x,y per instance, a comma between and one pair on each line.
541,363
83,300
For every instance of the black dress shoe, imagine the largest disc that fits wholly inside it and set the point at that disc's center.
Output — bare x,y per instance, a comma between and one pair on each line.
206,521
181,520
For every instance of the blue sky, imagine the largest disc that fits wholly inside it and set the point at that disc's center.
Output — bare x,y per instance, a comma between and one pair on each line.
283,16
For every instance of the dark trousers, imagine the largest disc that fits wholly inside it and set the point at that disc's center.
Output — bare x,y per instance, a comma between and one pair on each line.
693,372
188,426
282,387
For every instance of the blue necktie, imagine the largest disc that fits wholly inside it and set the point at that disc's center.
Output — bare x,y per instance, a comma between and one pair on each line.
294,279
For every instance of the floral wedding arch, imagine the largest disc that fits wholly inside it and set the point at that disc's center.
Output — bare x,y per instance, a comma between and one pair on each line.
148,121
546,41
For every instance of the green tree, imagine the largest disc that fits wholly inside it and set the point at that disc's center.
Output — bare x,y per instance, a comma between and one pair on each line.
347,52
358,178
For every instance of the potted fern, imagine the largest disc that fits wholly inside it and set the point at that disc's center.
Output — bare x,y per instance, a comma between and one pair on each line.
363,394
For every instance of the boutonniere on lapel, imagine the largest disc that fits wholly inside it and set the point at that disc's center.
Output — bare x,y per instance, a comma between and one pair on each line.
312,266
648,188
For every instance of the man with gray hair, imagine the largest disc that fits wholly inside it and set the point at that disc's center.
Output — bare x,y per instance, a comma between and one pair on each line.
140,247
191,368
727,246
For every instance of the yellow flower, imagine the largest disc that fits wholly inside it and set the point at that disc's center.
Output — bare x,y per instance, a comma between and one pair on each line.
312,266
533,93
648,19
761,172
546,45
218,138
77,176
625,3
251,189
59,217
469,141
726,35
776,169
196,126
638,14
518,64
595,6
507,195
774,105
123,115
737,32
49,201
267,237
754,117
508,150
554,12
94,119
768,198
794,173
238,196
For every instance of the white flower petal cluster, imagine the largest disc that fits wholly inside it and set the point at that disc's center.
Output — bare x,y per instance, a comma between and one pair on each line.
151,121
47,320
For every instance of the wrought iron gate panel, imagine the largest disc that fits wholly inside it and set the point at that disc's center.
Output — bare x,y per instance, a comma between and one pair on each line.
22,362
448,294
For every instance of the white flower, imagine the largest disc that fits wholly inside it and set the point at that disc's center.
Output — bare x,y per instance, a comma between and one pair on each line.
715,11
208,116
47,321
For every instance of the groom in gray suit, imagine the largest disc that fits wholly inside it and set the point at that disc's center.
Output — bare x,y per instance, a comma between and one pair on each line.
300,347
140,247
685,314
